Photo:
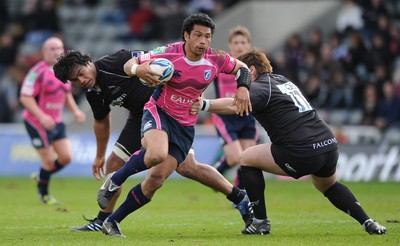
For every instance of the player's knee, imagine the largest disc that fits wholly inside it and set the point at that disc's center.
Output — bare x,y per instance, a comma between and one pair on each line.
186,170
113,163
65,160
243,160
155,158
154,182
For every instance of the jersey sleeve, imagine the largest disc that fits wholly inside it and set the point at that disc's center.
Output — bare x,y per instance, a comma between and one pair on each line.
31,85
229,64
99,107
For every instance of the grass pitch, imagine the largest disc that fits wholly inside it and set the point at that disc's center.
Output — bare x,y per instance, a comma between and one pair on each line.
184,212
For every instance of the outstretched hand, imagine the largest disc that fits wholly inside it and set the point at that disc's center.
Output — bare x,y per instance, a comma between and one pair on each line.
242,101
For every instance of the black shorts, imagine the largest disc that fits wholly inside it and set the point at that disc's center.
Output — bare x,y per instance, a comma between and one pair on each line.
129,140
321,165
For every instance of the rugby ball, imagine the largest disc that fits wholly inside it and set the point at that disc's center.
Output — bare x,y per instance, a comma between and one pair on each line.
162,66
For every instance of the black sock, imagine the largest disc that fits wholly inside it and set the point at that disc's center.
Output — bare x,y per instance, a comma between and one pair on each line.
239,179
135,200
223,166
44,180
236,196
57,166
340,196
102,215
255,185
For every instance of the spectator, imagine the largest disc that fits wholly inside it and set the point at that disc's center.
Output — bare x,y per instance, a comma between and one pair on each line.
369,106
349,17
5,108
316,91
388,115
8,51
294,54
315,42
341,92
143,22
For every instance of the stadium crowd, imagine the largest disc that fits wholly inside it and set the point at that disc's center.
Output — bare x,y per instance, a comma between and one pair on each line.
354,68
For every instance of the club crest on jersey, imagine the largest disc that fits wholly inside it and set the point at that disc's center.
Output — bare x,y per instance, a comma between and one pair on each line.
207,74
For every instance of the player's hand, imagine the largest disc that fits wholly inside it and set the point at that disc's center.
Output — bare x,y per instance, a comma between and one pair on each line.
196,106
47,122
98,167
242,101
80,117
144,72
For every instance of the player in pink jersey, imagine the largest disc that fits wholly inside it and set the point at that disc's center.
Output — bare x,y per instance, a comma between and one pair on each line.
167,125
44,97
235,132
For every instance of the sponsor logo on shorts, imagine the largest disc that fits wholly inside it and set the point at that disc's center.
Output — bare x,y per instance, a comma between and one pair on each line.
147,125
324,143
37,142
287,165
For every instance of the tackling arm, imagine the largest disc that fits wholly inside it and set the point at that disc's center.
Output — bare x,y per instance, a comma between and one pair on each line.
102,131
219,106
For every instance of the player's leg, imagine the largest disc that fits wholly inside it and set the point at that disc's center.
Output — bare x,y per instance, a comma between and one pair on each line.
340,196
208,176
154,152
113,163
227,135
139,195
63,149
253,161
41,141
155,146
244,143
46,155
127,143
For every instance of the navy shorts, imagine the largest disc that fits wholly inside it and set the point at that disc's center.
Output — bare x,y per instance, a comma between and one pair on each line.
180,137
42,138
233,127
321,165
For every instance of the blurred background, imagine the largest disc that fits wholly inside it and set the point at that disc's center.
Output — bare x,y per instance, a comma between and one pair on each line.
344,55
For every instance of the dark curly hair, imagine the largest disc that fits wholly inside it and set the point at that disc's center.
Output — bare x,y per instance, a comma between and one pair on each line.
68,62
197,19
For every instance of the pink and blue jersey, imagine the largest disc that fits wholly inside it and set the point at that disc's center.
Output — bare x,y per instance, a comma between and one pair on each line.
49,92
189,81
225,85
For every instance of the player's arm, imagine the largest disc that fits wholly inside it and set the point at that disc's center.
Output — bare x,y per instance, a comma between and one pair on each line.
73,107
102,132
242,97
224,105
143,71
31,105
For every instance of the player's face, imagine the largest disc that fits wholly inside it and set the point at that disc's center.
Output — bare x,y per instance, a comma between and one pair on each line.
52,50
84,76
238,45
197,42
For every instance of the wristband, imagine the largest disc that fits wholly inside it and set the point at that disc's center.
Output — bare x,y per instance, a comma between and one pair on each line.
206,105
133,69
